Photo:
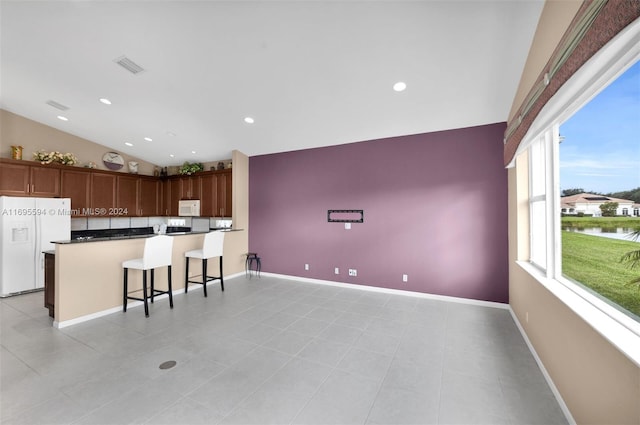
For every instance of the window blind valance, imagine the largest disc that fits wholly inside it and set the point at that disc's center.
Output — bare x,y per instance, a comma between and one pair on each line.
595,24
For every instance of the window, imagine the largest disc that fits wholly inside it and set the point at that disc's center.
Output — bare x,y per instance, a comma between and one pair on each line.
543,145
600,155
541,166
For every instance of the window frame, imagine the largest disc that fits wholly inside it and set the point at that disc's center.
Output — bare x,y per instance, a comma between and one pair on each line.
596,74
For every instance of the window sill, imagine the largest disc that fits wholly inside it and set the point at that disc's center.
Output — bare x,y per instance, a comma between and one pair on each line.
626,338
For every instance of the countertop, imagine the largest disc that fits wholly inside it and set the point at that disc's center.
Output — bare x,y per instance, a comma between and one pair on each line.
126,237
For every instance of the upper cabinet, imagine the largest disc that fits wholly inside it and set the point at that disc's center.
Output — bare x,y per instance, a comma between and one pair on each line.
103,191
215,190
119,194
209,190
224,193
150,197
127,195
25,180
77,186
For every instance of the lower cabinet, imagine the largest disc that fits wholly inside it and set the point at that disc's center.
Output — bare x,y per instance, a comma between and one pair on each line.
50,282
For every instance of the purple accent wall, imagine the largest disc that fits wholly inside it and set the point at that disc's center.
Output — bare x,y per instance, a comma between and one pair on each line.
435,208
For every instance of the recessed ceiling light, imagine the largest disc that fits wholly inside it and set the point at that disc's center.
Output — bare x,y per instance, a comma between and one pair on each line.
60,117
105,101
193,151
128,143
249,120
171,155
148,139
399,86
171,133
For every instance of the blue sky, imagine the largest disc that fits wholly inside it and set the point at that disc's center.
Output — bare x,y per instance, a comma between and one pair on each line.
601,147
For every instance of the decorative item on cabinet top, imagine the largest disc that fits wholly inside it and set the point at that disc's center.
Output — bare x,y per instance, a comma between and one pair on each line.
190,168
16,152
113,160
55,156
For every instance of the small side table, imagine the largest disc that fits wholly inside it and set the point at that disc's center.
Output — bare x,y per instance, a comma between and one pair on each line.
248,264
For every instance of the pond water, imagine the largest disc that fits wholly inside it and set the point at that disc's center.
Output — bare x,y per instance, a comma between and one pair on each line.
622,233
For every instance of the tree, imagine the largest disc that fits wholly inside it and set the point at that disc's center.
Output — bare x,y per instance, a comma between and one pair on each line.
609,209
632,195
633,258
569,192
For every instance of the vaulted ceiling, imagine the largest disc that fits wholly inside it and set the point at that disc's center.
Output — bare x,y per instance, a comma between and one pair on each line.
309,73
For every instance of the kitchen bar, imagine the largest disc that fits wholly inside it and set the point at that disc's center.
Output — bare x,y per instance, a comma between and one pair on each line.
88,273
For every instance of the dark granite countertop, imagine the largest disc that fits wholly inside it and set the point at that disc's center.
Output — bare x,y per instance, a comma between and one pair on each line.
121,237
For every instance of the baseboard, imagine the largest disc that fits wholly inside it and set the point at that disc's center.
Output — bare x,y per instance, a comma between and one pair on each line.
130,305
390,291
546,375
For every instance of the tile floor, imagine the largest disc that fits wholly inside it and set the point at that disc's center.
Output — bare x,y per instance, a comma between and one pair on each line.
272,351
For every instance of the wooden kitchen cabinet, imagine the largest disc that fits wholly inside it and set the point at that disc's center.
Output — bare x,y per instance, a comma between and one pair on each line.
103,192
150,198
224,197
127,195
209,192
50,282
215,191
77,186
18,179
166,197
175,194
190,187
180,188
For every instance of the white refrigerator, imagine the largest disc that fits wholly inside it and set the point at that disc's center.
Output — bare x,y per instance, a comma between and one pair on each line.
28,227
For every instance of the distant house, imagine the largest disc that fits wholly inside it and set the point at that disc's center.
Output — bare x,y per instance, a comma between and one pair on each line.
589,204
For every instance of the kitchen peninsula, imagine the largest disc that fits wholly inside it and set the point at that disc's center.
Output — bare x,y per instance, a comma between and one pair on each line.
88,273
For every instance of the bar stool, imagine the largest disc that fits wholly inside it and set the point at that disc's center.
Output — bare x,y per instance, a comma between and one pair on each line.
248,263
157,253
212,247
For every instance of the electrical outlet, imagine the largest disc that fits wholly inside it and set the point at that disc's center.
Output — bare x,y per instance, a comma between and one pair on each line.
347,226
336,270
306,267
353,272
405,278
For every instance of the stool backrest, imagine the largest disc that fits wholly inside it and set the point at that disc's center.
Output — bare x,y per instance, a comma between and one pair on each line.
157,251
213,244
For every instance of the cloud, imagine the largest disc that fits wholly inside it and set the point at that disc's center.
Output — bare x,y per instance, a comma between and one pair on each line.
599,164
598,175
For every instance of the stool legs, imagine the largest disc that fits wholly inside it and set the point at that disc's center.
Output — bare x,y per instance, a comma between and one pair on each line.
204,275
205,278
186,277
170,289
153,286
126,290
221,275
144,293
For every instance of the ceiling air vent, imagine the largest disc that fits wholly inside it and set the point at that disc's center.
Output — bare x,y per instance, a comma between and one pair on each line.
57,105
129,65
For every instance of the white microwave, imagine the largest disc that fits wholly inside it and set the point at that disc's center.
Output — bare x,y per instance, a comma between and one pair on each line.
190,208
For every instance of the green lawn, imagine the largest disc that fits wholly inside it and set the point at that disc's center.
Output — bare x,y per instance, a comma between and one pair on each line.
594,261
